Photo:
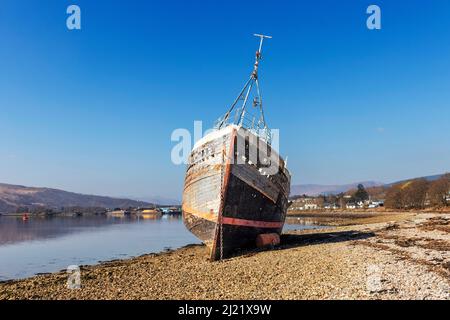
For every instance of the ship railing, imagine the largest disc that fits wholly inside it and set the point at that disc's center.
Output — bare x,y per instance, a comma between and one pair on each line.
248,120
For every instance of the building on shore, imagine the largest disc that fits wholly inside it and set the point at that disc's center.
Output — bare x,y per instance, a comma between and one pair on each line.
149,214
351,205
375,204
304,203
118,213
332,202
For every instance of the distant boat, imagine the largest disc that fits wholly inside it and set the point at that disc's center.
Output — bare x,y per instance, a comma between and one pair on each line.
230,197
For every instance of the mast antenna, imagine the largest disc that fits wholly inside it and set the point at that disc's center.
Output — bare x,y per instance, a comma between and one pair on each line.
262,37
256,124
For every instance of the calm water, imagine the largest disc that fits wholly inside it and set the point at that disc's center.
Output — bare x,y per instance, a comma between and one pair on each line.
42,245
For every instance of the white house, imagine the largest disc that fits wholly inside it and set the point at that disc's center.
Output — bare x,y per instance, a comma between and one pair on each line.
375,204
351,206
311,206
304,204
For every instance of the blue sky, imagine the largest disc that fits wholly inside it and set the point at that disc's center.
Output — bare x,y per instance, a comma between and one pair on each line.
93,110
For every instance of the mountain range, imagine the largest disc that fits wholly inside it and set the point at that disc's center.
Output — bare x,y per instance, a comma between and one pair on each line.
319,189
162,201
14,196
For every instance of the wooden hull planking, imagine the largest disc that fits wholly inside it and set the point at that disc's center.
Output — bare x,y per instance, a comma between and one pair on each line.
231,195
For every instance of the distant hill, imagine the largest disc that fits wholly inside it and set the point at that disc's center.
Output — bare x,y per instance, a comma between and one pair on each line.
13,196
157,199
428,178
318,189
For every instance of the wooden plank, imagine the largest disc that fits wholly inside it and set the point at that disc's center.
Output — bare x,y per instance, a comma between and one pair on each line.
250,175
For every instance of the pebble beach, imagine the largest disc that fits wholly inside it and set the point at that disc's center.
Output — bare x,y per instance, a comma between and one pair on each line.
394,256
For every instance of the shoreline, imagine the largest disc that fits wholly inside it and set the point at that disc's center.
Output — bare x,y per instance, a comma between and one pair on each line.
409,254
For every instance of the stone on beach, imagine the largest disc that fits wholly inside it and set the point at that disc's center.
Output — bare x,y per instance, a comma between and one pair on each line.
366,261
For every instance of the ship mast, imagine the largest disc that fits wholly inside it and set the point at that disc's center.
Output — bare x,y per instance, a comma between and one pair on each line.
242,116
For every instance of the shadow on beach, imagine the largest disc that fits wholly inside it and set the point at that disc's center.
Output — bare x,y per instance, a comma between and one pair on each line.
289,241
297,240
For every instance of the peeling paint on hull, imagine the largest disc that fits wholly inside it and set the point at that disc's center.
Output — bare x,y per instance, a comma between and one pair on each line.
247,202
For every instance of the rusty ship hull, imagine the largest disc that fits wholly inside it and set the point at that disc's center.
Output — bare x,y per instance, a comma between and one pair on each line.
229,200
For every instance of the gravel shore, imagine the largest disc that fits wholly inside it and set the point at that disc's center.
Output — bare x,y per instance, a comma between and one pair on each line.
405,257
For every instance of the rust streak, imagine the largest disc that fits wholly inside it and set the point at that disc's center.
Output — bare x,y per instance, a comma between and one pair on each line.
210,216
223,191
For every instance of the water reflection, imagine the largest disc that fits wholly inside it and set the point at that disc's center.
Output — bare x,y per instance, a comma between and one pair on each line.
15,229
305,221
293,223
41,245
51,244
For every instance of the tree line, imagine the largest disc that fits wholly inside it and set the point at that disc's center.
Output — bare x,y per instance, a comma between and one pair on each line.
35,210
419,193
